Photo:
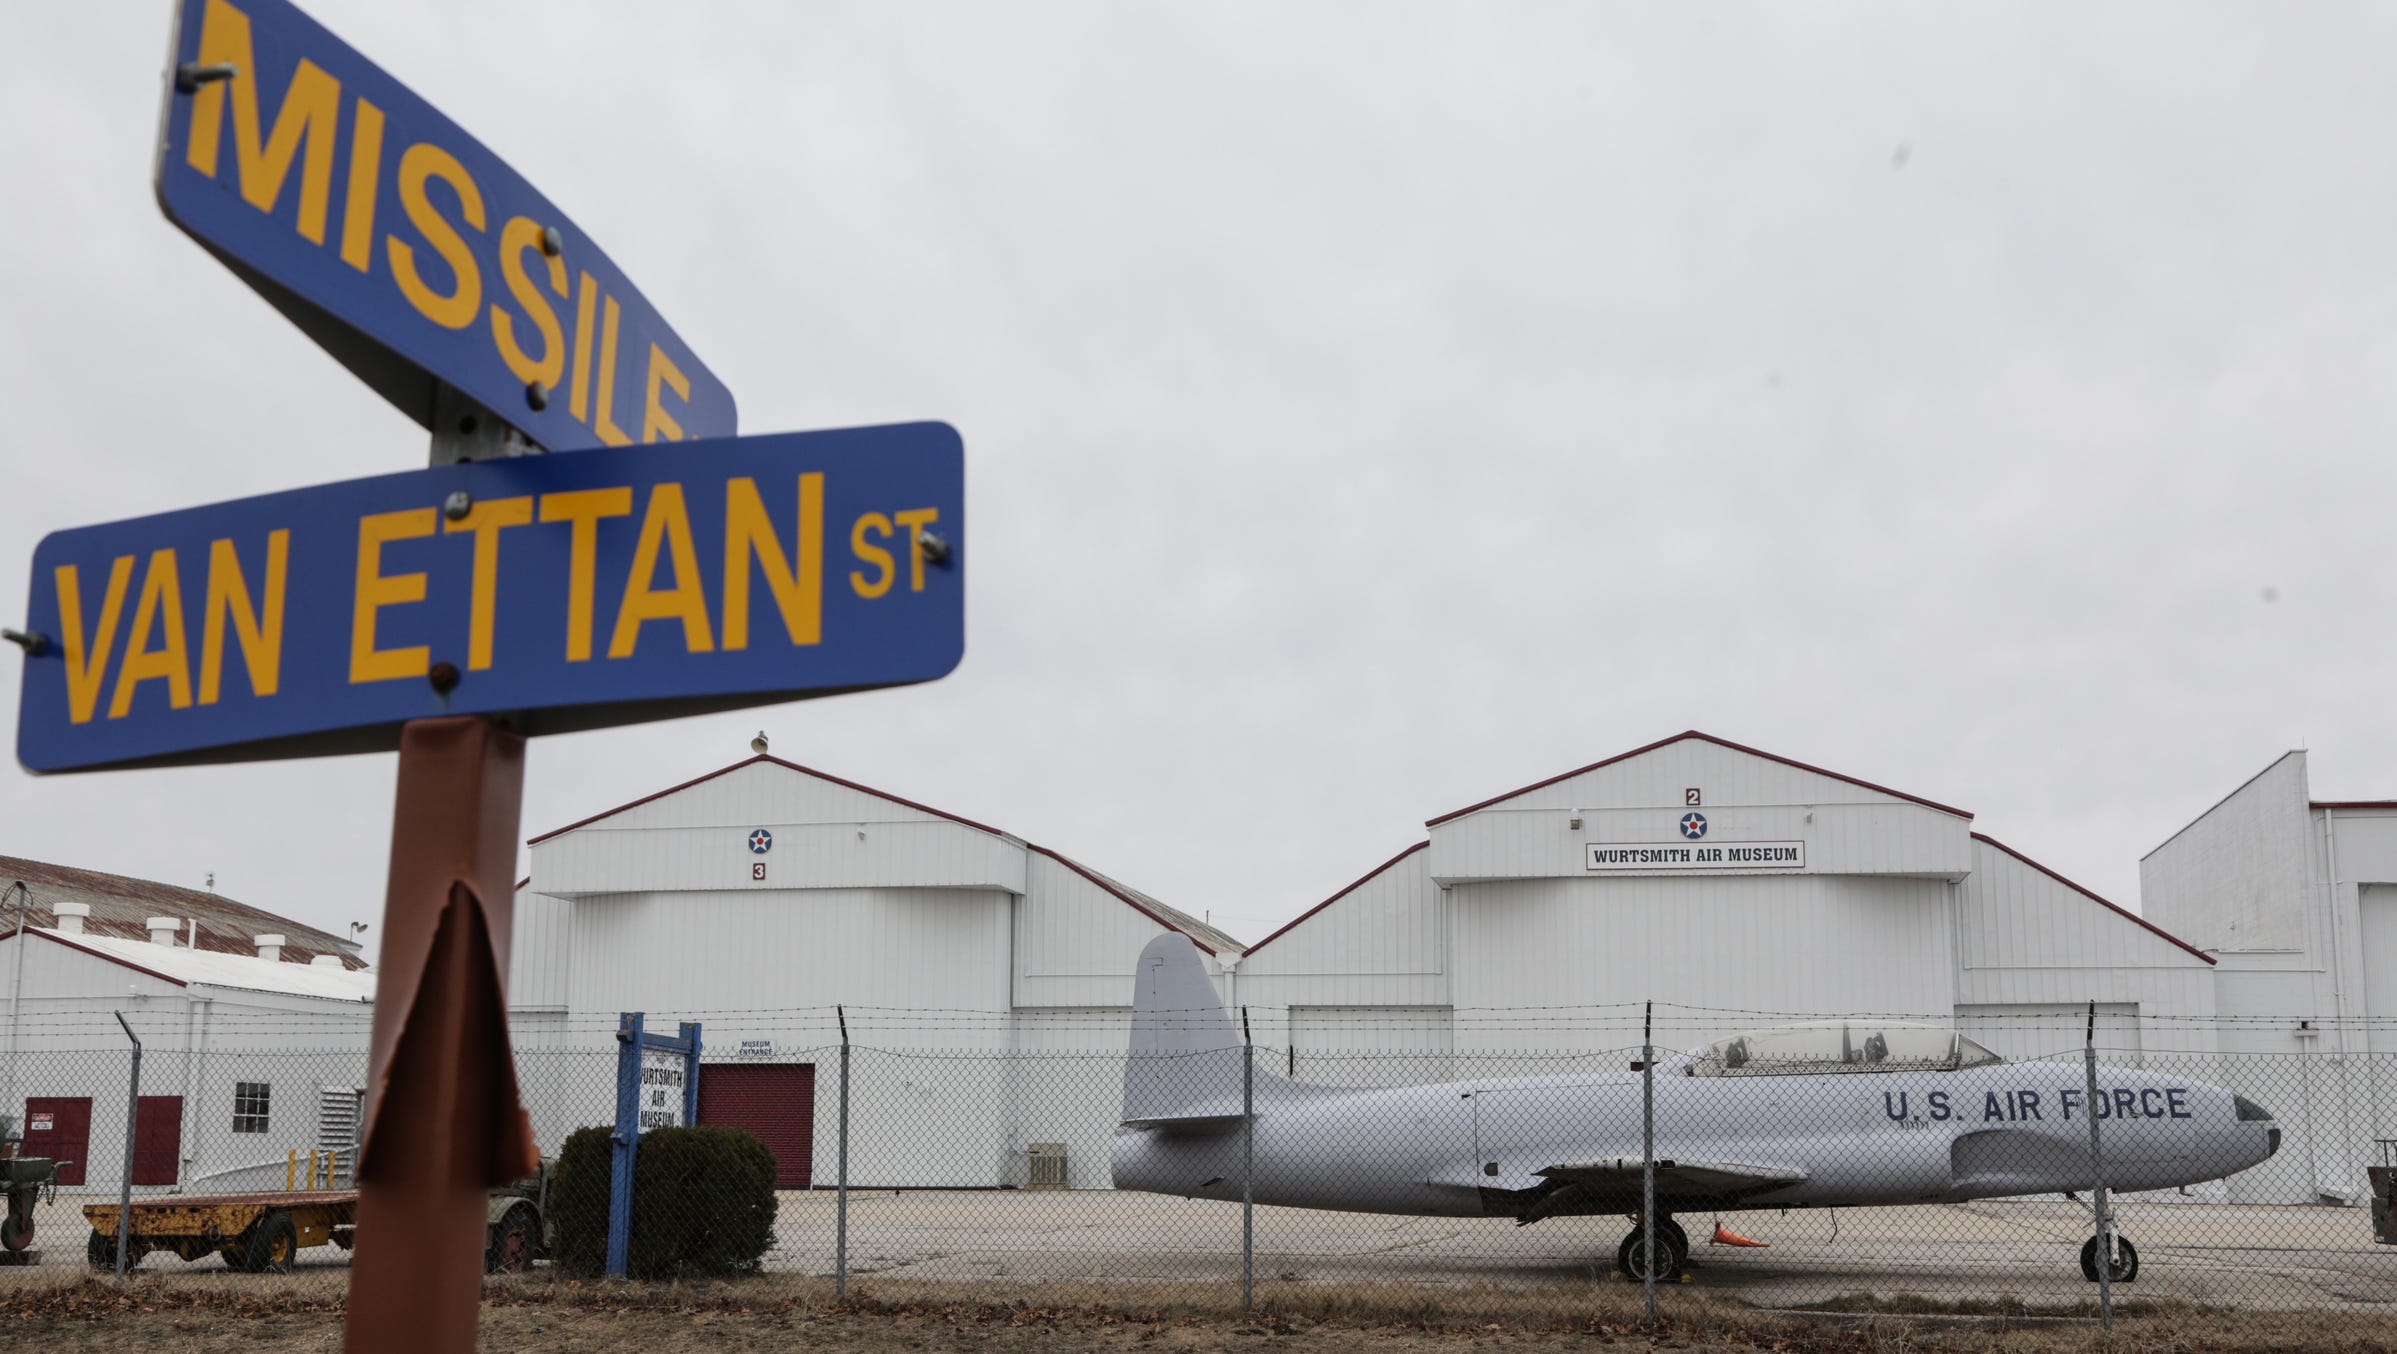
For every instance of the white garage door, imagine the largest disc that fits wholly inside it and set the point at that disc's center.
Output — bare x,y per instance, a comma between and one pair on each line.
2380,1004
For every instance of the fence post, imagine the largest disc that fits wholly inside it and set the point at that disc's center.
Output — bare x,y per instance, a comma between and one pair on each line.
627,1140
1648,1164
2097,1180
125,1187
690,1075
840,1226
1248,1164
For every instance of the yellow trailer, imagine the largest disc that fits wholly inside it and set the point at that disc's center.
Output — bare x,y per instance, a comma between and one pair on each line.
261,1233
258,1233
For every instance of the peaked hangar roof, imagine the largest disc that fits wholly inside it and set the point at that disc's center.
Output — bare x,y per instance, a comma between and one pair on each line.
1703,738
2125,913
1205,936
211,968
122,906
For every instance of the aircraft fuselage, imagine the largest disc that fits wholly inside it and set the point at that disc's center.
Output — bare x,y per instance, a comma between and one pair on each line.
1478,1148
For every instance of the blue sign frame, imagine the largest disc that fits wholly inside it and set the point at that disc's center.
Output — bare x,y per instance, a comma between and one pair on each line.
406,248
631,1041
560,592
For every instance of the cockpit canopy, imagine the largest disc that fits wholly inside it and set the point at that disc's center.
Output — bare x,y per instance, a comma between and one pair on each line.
1831,1046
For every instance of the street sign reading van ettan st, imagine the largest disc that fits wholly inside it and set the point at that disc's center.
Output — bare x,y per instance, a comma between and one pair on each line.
409,251
562,592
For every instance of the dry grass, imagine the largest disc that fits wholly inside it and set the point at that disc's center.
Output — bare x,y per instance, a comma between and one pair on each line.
267,1315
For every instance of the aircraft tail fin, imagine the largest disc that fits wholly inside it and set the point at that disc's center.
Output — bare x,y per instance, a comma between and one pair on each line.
1185,1063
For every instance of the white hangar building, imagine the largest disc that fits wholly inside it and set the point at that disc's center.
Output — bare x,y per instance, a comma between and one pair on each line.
2297,899
1729,885
254,1031
760,896
1733,887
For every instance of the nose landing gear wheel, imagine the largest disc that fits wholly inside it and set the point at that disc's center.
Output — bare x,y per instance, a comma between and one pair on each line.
2126,1260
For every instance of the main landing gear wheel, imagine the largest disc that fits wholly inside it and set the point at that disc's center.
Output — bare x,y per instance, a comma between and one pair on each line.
1672,1253
2126,1260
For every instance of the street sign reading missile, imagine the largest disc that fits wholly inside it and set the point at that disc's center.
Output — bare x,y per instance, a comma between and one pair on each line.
405,247
564,592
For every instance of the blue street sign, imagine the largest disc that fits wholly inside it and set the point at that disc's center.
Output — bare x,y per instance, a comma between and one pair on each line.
407,249
567,592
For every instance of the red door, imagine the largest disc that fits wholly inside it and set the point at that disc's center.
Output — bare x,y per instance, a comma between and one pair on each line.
775,1101
60,1127
158,1140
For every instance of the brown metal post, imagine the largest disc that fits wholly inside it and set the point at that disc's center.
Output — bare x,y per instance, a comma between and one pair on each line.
443,1120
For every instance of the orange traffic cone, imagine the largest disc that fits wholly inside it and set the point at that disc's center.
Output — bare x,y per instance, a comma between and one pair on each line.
1724,1236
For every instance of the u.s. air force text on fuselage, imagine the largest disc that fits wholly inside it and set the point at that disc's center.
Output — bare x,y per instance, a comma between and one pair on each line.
404,245
567,591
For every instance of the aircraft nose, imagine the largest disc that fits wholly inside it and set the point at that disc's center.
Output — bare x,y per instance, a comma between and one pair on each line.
2251,1112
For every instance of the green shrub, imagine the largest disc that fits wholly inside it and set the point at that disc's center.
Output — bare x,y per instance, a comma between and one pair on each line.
578,1202
703,1203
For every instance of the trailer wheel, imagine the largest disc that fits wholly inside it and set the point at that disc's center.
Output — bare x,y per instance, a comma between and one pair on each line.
101,1251
511,1247
270,1245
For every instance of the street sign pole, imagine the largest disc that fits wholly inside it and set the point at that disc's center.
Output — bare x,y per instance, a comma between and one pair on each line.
444,1122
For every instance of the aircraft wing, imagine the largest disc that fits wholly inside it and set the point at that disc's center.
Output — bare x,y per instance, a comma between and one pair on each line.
1619,1178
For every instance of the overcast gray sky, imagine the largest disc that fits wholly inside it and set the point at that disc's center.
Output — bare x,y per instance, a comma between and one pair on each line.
1370,408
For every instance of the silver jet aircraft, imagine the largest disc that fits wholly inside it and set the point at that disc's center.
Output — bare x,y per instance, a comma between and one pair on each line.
1836,1114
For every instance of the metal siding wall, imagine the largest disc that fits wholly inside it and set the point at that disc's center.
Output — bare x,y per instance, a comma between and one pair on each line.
930,854
677,954
2014,917
770,794
1885,838
1385,943
2241,876
1371,1045
1075,943
537,952
1067,1086
1753,947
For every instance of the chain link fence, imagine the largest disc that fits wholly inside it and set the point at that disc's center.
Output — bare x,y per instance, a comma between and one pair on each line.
1854,1164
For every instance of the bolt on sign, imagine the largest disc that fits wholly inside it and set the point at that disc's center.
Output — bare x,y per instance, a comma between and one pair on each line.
560,592
407,249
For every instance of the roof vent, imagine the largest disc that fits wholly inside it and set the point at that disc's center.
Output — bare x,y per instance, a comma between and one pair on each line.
270,948
162,930
327,961
70,917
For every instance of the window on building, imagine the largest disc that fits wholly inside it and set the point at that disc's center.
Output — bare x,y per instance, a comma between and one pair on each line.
249,1106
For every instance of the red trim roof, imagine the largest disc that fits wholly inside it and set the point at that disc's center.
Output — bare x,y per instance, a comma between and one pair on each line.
1110,889
1360,883
2352,804
1703,737
752,761
2121,912
98,954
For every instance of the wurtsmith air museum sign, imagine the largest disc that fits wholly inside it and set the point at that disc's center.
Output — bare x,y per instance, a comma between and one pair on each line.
592,545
